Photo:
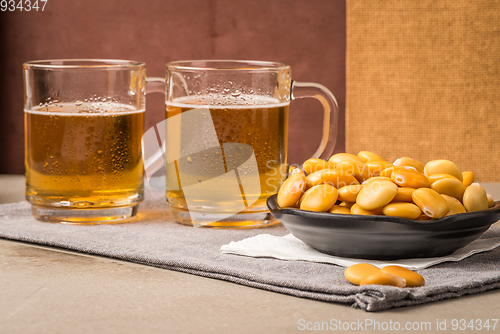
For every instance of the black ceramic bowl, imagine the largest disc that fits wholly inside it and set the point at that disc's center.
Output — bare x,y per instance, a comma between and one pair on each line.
384,237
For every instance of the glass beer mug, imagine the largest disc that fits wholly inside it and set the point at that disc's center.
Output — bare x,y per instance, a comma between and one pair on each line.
84,120
224,140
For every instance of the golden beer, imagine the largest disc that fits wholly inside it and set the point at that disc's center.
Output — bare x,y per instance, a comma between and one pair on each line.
262,125
83,158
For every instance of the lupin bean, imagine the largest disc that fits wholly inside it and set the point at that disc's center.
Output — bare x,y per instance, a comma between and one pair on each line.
302,197
389,170
377,178
295,170
409,162
313,165
412,278
357,272
336,158
383,278
434,177
430,202
468,178
449,186
404,195
319,198
359,171
349,193
409,178
369,156
347,204
340,209
475,198
357,210
442,167
491,201
291,190
403,210
376,167
314,179
376,194
455,205
338,178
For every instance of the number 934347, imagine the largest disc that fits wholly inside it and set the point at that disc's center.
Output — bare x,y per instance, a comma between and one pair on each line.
22,5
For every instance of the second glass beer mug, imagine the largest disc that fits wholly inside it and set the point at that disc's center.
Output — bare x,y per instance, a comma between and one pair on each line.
225,138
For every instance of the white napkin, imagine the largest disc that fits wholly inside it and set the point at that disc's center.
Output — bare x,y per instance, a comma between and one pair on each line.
289,247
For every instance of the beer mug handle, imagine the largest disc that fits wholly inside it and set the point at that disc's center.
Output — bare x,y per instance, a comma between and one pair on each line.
155,85
330,117
151,150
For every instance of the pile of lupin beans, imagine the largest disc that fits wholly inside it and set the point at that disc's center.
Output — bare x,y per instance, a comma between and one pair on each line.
365,274
367,184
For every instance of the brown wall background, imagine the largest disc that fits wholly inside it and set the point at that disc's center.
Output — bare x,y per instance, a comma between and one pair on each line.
308,35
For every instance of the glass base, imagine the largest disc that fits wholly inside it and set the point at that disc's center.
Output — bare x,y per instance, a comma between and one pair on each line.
214,220
85,216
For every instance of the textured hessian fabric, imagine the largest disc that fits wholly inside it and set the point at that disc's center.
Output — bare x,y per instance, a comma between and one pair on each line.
423,80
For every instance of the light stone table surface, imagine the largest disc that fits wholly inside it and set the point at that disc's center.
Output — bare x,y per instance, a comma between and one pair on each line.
47,290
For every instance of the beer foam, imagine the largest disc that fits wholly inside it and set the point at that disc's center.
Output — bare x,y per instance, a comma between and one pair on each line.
85,109
243,101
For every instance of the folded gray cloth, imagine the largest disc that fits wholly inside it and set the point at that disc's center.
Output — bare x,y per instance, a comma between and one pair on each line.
155,240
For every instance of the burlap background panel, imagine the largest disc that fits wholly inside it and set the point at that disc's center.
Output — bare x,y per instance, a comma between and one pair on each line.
423,81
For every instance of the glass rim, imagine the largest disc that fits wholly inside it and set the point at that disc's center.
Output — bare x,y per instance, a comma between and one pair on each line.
232,65
79,63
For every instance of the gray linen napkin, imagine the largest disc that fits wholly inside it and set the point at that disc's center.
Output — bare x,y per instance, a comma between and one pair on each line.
155,240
